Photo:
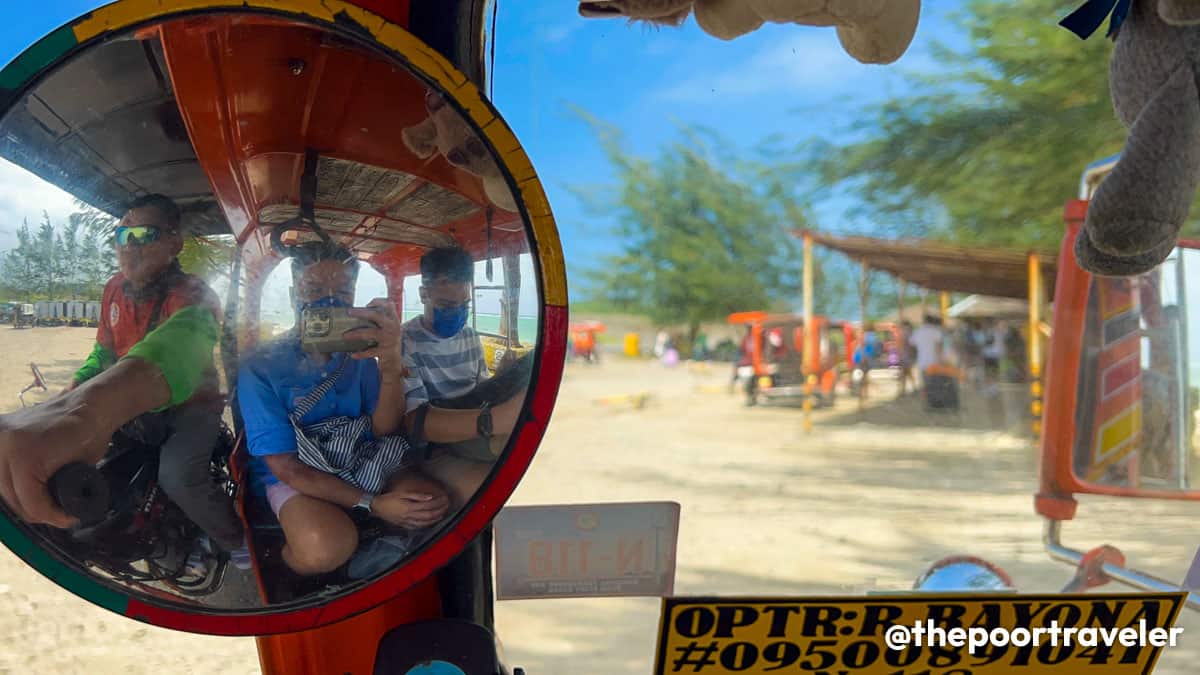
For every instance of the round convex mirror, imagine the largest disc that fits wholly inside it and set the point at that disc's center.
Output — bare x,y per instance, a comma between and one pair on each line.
294,316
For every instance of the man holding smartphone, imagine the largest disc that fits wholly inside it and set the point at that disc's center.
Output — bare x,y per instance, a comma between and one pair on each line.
277,379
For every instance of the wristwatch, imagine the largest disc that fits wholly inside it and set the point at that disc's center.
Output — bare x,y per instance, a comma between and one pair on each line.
364,503
483,424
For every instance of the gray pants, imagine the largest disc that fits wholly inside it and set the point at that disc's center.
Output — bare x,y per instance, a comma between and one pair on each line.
186,436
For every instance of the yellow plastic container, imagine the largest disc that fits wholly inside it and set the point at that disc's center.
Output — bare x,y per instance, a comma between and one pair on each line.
493,349
632,348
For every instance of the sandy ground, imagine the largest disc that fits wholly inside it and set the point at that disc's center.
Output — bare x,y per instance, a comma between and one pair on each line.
862,503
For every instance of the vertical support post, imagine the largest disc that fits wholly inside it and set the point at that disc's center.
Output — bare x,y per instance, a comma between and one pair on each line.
807,354
807,299
512,299
864,287
395,289
251,326
1183,384
1035,343
944,312
901,292
1182,377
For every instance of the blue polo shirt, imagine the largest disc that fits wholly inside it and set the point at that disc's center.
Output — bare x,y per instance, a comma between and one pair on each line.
277,376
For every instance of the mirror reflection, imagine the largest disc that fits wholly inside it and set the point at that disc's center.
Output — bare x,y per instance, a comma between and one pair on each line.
277,304
1137,397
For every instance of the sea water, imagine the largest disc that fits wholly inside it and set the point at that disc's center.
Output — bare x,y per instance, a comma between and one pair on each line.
527,326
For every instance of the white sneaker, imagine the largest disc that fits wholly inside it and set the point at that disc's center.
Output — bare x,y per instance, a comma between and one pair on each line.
196,564
240,556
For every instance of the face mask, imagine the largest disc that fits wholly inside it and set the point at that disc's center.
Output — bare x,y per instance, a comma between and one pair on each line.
448,322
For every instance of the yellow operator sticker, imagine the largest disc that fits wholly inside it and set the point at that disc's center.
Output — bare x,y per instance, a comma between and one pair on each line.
919,634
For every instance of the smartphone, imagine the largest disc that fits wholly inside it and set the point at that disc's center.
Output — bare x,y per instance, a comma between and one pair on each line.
321,330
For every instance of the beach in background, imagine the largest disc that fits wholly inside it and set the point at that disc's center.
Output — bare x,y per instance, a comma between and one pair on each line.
865,502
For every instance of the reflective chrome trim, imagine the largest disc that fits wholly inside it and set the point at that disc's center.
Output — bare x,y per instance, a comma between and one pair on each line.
1130,577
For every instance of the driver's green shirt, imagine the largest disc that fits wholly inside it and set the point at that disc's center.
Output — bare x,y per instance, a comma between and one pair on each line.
181,344
181,348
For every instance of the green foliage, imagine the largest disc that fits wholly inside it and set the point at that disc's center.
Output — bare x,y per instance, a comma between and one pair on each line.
985,150
594,306
71,261
990,147
75,260
17,267
703,233
208,257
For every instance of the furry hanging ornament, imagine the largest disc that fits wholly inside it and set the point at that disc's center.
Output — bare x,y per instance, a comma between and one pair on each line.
871,31
447,133
1134,217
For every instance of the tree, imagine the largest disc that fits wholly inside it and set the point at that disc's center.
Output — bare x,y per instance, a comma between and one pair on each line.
97,263
48,262
208,257
20,265
702,232
93,221
53,263
77,260
68,248
990,148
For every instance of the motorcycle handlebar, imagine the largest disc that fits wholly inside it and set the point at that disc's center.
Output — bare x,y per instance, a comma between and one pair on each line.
82,491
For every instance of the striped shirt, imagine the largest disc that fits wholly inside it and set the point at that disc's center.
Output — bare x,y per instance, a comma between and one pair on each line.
440,367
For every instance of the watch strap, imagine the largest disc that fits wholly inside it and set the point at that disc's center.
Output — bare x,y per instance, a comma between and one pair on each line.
364,502
483,425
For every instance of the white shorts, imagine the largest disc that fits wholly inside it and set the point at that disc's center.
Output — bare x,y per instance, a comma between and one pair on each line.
278,494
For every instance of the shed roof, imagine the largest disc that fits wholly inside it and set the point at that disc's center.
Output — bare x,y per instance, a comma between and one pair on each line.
939,266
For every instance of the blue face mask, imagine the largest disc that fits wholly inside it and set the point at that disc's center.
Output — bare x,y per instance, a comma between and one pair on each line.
448,322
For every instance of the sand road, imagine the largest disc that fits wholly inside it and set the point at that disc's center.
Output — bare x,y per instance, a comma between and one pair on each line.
862,503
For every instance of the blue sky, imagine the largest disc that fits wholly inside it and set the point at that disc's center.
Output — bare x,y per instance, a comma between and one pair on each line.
785,80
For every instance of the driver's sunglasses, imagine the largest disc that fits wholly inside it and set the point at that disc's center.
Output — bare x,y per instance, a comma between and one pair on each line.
137,234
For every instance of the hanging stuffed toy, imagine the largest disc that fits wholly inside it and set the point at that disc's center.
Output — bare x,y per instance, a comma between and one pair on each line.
446,133
872,31
1135,215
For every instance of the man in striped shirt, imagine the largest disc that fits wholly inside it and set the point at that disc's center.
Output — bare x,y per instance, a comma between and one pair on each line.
444,359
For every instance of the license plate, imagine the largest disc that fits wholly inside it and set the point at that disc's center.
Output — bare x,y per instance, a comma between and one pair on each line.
586,550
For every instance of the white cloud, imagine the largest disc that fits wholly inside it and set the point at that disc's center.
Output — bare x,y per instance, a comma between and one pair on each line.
810,61
25,196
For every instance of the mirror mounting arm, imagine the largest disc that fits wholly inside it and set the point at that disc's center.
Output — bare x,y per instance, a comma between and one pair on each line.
308,194
1051,538
308,214
1055,506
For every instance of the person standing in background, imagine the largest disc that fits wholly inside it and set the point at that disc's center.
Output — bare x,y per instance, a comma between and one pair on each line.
928,341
